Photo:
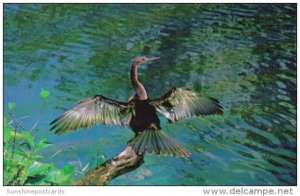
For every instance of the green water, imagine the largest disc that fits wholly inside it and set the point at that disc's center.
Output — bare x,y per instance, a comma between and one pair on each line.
241,54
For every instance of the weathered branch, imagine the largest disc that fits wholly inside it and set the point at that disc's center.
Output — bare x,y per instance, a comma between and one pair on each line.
125,162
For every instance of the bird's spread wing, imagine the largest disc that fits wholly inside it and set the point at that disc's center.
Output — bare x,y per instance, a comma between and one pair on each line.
181,103
91,111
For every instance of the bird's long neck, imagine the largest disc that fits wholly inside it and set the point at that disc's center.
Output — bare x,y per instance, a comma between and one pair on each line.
139,88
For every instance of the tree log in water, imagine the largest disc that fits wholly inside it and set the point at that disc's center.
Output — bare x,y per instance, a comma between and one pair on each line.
125,162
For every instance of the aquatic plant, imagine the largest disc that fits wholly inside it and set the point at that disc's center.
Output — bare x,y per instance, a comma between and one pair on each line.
23,163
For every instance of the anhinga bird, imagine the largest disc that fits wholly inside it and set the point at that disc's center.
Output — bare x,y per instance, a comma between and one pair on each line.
140,114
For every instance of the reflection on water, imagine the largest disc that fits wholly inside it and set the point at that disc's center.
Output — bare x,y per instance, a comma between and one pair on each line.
242,54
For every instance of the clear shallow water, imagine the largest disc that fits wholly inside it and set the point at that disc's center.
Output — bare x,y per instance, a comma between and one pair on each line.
242,54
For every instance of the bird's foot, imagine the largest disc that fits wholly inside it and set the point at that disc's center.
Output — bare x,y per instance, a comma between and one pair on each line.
127,152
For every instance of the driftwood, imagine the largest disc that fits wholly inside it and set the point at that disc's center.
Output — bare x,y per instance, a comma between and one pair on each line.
125,162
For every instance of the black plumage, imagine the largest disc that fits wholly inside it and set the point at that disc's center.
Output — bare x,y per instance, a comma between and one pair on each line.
140,114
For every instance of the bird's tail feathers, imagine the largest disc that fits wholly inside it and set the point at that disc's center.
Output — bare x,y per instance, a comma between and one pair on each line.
152,140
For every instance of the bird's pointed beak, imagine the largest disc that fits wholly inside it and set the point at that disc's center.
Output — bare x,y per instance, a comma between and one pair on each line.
153,59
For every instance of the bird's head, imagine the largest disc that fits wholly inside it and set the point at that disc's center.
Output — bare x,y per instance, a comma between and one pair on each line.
143,59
